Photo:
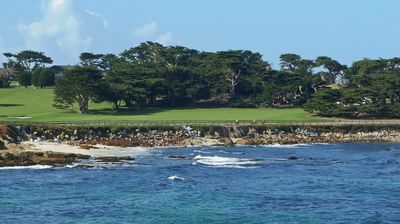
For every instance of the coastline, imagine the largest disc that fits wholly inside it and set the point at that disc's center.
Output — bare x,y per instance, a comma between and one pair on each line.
61,146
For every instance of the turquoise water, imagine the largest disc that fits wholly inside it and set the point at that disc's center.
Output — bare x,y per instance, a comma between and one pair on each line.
337,183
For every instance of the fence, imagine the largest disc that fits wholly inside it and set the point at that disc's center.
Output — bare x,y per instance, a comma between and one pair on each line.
207,123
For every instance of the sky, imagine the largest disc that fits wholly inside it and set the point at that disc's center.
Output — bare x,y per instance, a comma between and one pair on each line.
346,30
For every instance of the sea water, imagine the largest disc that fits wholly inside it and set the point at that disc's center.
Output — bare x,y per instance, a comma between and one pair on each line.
332,183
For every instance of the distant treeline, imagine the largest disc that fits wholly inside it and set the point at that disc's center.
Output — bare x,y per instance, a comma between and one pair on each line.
155,75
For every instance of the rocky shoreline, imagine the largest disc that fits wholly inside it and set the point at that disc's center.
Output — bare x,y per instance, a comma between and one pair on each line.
86,139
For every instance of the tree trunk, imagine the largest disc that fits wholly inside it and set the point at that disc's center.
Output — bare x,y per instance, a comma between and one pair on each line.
232,77
83,102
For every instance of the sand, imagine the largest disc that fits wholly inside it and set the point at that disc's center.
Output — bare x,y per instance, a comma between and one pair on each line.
99,150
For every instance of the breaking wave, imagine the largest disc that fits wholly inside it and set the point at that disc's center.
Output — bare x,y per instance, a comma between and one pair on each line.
227,162
34,167
175,177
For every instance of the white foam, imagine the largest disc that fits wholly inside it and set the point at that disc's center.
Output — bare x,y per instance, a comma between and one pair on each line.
228,162
35,167
286,146
175,177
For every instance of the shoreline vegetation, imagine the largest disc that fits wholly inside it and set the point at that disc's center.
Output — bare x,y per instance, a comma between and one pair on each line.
63,146
152,78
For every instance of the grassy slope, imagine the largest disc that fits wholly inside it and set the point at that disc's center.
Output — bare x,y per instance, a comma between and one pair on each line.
37,103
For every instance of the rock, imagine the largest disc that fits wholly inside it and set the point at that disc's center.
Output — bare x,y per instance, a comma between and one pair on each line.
9,133
113,159
8,156
85,166
27,158
177,157
292,158
87,146
2,146
227,142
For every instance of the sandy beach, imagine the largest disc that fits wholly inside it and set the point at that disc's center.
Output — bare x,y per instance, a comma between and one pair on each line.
96,151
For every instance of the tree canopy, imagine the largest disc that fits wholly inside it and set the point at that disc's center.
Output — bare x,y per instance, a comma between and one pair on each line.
154,75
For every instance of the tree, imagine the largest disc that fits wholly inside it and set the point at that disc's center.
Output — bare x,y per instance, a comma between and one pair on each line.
29,60
334,68
239,65
325,102
6,76
42,77
25,62
146,53
290,62
90,59
232,76
79,86
25,78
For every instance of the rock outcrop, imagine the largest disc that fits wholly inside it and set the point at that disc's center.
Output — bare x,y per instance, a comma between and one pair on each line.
9,135
113,159
87,137
29,158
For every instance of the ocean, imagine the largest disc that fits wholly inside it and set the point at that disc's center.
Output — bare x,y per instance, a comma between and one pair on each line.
320,183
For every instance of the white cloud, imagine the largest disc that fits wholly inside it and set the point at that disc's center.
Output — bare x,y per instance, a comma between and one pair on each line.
165,38
146,30
150,32
106,24
58,26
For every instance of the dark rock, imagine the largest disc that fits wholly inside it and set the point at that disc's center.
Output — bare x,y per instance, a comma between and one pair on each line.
113,159
27,158
177,157
9,133
9,156
86,166
292,158
227,142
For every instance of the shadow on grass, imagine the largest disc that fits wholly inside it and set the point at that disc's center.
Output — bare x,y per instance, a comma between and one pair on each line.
128,112
153,110
10,105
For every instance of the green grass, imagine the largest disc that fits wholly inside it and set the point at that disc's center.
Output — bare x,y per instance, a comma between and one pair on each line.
37,104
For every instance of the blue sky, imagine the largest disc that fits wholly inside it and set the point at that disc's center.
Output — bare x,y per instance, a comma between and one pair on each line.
346,30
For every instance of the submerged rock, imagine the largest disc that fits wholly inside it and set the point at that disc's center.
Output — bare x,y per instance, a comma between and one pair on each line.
113,159
177,157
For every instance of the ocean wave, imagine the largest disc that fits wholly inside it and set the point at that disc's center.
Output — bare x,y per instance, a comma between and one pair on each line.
175,177
286,146
227,162
33,167
218,151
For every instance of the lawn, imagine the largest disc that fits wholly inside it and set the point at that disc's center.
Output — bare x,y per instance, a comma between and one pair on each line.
37,104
